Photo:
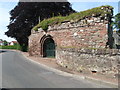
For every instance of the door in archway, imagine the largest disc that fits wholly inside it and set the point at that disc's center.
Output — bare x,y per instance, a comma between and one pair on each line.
49,48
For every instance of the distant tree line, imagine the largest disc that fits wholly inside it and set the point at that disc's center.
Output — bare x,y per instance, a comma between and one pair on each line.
4,42
117,21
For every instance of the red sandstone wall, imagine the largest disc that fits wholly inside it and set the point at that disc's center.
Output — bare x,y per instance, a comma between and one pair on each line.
81,37
92,34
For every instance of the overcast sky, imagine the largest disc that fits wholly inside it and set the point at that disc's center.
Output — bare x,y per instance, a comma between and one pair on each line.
77,5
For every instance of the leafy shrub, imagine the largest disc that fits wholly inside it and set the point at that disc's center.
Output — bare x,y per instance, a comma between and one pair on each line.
17,47
23,48
8,47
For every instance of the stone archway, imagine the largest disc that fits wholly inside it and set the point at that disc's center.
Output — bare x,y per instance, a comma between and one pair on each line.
47,46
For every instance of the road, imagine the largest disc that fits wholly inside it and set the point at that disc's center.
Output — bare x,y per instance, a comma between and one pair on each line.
18,72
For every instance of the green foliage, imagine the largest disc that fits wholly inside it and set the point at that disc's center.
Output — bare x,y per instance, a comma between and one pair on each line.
117,21
27,14
16,47
46,22
23,48
11,47
72,17
5,42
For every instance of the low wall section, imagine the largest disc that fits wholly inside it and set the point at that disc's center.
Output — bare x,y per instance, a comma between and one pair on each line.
81,60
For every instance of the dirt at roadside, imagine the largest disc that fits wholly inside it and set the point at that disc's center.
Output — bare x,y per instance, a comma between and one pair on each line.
51,62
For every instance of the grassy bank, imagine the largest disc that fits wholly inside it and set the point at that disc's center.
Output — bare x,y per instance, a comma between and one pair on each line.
17,47
98,11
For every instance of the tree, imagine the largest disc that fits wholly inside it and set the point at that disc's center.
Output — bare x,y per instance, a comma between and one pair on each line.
117,21
26,15
5,42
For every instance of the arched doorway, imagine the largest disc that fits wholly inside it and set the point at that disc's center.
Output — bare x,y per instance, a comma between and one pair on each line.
47,46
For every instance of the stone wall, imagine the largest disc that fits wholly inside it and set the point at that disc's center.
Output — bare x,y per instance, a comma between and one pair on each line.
100,60
80,45
87,33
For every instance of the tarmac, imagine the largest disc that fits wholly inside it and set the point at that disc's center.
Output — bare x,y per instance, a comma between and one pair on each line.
50,64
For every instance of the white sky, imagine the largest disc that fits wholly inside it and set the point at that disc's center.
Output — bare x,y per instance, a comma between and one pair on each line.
4,19
61,0
78,5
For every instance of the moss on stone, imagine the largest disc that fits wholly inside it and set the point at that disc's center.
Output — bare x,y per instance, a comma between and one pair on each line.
98,11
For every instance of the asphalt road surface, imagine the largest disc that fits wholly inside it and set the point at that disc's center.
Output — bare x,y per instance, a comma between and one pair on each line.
18,72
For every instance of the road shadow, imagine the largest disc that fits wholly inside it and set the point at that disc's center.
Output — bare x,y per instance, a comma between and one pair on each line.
2,51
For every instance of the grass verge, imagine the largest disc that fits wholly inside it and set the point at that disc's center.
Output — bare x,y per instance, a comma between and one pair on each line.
75,17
